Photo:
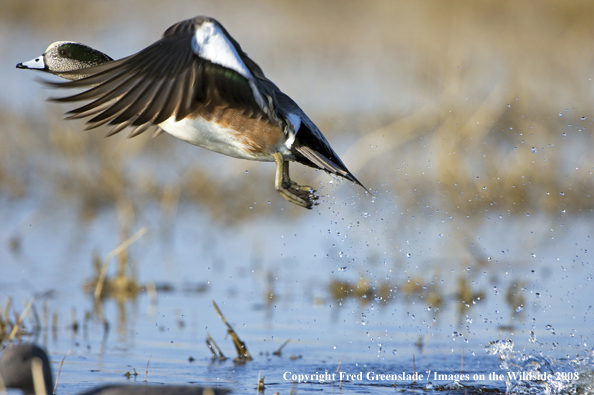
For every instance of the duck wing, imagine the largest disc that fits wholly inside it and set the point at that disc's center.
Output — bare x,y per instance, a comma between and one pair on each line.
196,64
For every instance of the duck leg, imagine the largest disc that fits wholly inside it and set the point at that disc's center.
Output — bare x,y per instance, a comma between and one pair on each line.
301,195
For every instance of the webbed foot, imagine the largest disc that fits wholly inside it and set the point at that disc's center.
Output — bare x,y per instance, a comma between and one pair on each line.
301,195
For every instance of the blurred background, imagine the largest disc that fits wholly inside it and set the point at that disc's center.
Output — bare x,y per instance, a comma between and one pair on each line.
470,122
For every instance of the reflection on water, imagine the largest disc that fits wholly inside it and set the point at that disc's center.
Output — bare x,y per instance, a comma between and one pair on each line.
478,228
381,313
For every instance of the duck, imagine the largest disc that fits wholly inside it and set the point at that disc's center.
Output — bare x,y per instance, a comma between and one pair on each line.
197,84
18,370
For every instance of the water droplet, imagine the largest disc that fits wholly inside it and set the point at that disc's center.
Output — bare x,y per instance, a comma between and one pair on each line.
520,308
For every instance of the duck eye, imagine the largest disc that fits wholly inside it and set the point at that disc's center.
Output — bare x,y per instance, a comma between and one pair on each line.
63,52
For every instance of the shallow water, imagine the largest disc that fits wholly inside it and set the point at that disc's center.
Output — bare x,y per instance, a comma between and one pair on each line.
360,285
357,334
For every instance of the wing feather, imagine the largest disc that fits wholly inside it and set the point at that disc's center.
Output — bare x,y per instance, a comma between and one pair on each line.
165,79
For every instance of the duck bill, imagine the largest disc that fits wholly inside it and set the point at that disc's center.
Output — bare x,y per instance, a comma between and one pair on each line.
35,64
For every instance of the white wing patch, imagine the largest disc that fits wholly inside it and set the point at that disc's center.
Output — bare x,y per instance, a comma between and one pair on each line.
36,63
210,43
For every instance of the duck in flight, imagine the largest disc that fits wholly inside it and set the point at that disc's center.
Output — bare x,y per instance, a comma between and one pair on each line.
197,84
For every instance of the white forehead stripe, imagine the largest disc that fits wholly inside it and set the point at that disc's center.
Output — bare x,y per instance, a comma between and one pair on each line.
36,63
210,43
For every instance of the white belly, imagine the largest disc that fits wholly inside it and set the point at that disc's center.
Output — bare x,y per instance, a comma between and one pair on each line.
209,135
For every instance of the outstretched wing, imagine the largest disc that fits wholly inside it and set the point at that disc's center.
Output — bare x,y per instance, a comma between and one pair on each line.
196,64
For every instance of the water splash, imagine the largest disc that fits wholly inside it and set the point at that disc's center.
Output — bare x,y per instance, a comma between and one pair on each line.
538,374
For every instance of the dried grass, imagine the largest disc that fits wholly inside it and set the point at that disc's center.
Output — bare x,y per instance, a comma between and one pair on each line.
479,130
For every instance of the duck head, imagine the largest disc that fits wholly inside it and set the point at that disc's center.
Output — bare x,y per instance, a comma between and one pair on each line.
64,56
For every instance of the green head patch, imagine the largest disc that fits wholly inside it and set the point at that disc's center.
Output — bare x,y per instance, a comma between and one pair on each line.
82,53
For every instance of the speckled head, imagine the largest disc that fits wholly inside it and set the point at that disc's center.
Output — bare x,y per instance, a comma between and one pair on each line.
64,56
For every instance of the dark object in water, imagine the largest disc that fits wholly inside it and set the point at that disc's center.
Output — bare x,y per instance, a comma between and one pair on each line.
16,369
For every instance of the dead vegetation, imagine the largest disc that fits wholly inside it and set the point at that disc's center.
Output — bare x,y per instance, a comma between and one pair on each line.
26,324
497,118
243,355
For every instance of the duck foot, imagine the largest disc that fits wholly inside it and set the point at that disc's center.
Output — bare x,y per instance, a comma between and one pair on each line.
301,195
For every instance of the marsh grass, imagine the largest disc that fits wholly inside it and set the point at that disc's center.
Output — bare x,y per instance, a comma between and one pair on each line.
217,353
98,174
479,132
123,286
261,386
486,110
60,371
467,296
279,352
12,322
243,355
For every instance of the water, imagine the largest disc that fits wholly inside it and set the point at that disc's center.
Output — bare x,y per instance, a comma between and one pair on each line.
281,291
422,277
537,374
